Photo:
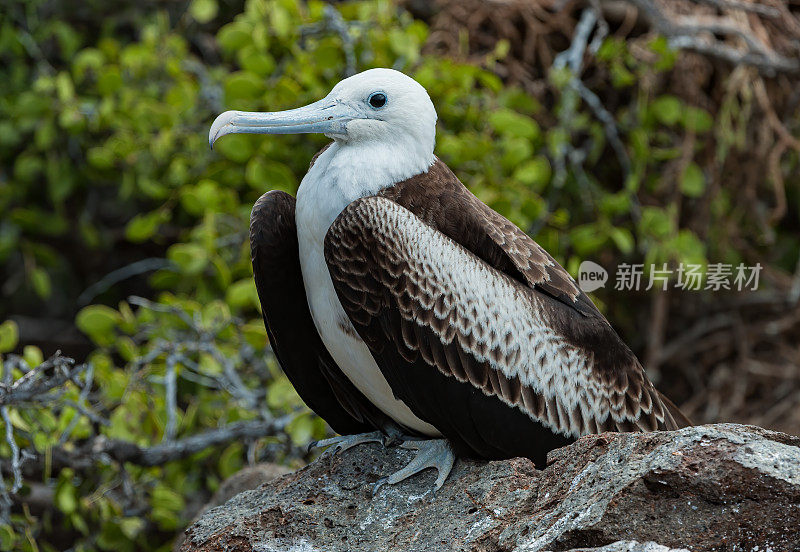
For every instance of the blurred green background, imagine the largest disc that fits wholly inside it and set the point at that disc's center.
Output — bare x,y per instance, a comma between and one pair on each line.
108,190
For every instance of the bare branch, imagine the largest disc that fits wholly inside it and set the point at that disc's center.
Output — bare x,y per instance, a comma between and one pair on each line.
765,63
573,56
16,462
166,309
114,277
34,385
334,22
609,125
86,387
690,34
101,449
752,7
170,384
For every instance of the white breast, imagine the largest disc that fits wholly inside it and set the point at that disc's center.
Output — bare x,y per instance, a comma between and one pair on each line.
321,197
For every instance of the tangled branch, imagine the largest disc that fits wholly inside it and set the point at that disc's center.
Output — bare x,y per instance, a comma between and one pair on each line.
53,384
102,450
699,34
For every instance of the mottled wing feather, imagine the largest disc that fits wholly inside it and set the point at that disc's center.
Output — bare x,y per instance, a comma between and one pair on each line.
292,335
408,286
439,199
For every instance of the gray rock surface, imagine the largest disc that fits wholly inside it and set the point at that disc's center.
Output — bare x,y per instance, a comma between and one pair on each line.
245,479
722,487
631,546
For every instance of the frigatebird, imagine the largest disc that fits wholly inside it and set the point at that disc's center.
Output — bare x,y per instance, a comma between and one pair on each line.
402,308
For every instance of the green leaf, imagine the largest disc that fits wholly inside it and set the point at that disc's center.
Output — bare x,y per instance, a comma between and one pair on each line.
166,506
236,147
230,461
191,258
243,85
515,151
301,429
281,394
655,222
280,20
109,81
65,497
131,526
255,334
100,157
586,239
535,172
98,322
209,365
28,167
143,226
693,181
9,134
203,11
256,62
698,120
165,497
17,420
7,537
113,539
204,196
32,355
668,55
271,175
510,123
621,77
623,239
9,336
39,221
242,294
9,239
234,36
667,109
126,348
79,523
40,280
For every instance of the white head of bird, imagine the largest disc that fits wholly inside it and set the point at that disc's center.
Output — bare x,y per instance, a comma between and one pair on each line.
382,121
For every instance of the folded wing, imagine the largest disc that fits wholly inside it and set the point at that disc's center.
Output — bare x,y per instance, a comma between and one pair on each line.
478,329
292,335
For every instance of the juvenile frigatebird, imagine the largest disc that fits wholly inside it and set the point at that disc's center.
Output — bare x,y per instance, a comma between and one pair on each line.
402,308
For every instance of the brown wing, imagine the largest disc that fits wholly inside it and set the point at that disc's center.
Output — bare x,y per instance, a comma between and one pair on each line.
292,335
440,200
520,334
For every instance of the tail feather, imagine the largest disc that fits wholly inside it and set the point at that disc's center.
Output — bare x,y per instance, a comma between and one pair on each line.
681,420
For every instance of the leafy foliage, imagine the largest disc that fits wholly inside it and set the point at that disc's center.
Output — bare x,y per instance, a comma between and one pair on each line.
105,162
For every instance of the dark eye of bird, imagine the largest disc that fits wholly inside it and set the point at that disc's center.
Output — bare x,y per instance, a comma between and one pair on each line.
377,100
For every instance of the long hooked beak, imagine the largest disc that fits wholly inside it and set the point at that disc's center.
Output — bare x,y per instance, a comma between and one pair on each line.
324,116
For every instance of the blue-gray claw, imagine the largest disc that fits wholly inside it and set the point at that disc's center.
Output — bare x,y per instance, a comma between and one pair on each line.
343,442
433,453
378,484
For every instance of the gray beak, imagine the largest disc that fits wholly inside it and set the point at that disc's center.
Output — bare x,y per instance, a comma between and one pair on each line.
324,116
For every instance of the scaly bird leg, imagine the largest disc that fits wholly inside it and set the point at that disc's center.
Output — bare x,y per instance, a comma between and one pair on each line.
390,435
433,453
344,442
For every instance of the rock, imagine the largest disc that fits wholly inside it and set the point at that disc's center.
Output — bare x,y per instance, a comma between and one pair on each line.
631,546
718,487
245,479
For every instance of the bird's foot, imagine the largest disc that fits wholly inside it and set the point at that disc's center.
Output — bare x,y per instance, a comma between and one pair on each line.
344,442
433,453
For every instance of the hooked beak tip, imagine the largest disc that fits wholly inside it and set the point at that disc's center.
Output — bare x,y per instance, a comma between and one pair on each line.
217,129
